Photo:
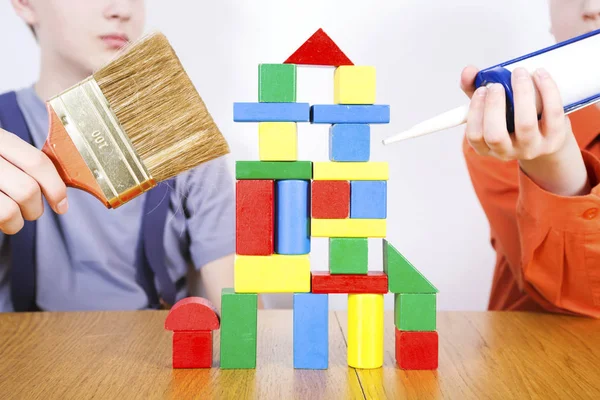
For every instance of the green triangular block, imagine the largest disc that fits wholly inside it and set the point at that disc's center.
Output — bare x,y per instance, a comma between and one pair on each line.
403,277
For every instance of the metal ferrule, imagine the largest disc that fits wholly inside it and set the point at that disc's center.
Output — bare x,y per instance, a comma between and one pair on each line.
102,142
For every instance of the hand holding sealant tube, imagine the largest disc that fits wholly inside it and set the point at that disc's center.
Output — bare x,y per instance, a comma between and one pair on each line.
518,112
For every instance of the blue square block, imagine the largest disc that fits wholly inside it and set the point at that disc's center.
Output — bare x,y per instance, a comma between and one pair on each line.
311,331
349,142
368,199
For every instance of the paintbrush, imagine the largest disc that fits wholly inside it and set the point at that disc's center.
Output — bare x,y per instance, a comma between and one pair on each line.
135,122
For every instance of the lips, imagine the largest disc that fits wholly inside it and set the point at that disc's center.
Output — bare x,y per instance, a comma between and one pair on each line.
115,40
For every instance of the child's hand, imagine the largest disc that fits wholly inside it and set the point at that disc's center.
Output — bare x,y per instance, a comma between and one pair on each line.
486,125
26,173
546,149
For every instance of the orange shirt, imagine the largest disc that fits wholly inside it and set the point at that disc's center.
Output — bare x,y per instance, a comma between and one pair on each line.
547,246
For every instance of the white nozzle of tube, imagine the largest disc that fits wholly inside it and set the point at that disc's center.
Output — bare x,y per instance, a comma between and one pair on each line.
449,119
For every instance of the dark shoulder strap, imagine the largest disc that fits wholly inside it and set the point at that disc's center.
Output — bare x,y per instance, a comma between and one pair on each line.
23,270
154,219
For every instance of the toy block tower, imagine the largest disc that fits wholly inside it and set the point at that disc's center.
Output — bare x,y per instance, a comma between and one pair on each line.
281,202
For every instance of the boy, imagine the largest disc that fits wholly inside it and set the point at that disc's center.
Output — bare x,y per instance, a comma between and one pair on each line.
90,257
539,188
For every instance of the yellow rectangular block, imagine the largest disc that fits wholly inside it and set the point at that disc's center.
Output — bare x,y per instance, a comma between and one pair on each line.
350,171
272,274
365,330
358,228
354,84
277,141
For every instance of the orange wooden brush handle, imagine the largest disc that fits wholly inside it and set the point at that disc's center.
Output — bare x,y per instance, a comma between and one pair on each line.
66,158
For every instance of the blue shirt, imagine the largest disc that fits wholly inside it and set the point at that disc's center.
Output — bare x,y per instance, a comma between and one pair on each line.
86,258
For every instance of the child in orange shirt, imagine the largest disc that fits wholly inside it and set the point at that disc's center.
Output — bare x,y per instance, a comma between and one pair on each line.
539,187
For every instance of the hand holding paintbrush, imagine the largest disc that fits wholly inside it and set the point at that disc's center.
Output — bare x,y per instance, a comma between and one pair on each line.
135,122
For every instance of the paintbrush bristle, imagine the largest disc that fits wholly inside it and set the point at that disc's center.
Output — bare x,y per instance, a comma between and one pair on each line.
159,109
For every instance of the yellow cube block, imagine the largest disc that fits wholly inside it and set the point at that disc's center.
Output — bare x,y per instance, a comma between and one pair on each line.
365,330
277,141
354,85
272,274
350,171
358,228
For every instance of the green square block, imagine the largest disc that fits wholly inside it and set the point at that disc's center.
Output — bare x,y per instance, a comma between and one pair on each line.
415,312
348,255
277,83
301,170
238,329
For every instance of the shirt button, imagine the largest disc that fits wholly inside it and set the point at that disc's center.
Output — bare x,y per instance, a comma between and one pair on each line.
591,213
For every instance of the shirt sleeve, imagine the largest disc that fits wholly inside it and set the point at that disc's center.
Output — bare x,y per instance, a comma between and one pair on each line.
551,242
210,211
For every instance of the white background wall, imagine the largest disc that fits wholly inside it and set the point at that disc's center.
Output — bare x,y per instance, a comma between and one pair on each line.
419,48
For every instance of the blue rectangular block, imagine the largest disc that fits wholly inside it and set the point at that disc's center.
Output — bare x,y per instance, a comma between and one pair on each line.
292,221
271,112
311,331
343,114
368,199
349,142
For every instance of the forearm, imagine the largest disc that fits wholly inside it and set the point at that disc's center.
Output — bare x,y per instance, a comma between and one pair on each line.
562,173
216,275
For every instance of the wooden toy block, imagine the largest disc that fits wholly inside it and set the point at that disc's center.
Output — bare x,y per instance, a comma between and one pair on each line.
402,275
349,142
192,314
330,199
349,114
192,321
192,349
348,228
348,256
319,49
238,330
276,83
368,199
417,350
277,141
311,331
291,225
354,84
365,330
273,170
272,274
372,282
255,213
350,171
271,112
415,311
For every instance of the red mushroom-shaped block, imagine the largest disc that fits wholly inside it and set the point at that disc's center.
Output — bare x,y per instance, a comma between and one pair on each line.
192,321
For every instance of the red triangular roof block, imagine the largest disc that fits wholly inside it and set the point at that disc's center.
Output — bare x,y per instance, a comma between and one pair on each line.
319,49
192,314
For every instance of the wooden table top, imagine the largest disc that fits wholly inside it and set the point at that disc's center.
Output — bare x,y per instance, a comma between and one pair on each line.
126,355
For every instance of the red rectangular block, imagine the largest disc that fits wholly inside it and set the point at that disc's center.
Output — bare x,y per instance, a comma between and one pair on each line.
192,349
255,213
416,350
373,282
330,199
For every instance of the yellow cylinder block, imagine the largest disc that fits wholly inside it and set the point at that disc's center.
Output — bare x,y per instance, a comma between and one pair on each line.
365,330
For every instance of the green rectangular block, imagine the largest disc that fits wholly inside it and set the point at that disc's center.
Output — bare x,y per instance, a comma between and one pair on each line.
301,170
415,312
348,255
238,329
276,83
